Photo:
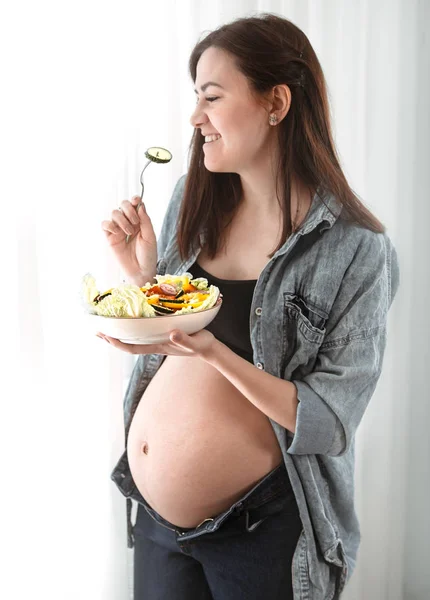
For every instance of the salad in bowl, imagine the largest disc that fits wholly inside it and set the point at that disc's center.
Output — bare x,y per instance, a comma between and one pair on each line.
148,314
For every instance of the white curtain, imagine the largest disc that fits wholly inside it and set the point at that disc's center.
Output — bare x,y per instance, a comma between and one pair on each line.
87,88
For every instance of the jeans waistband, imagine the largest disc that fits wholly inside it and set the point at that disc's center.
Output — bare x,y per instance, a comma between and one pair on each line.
272,485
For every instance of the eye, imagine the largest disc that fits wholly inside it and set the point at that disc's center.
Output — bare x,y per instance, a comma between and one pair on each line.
209,99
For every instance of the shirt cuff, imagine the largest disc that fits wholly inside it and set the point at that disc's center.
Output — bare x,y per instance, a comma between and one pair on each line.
315,423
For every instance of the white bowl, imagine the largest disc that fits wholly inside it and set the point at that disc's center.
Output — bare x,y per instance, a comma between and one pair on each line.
152,330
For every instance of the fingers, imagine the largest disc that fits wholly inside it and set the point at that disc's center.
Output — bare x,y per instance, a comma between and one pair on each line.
140,208
110,228
126,218
165,349
133,348
135,201
128,211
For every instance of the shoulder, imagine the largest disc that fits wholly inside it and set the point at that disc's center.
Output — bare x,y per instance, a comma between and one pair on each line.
346,239
174,203
367,254
170,219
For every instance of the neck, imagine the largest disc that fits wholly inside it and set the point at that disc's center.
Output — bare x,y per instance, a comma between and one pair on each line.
259,201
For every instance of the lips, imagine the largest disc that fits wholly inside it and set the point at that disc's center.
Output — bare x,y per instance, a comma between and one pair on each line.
212,138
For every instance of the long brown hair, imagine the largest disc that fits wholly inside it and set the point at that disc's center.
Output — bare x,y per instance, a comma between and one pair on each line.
269,50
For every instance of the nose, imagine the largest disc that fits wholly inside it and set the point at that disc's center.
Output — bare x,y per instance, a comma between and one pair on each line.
198,117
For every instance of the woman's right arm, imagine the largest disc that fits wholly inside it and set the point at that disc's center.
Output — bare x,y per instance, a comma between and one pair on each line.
138,257
141,258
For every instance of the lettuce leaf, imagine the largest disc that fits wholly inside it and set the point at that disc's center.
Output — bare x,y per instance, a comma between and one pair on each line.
89,289
126,300
201,283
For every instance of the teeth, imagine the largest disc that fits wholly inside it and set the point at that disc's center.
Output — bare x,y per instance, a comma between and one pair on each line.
212,138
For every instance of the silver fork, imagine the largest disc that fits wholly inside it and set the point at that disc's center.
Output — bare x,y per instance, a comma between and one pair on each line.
141,195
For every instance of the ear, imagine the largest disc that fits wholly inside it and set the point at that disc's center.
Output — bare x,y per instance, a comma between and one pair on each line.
280,101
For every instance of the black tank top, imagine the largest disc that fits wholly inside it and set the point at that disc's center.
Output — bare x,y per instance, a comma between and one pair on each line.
231,325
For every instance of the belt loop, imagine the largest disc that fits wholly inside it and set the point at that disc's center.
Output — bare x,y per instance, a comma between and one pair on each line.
254,525
130,538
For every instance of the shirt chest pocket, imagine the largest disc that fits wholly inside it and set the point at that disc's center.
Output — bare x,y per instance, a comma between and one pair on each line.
303,333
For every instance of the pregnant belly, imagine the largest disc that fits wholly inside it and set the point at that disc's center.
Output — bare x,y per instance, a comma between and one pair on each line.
196,444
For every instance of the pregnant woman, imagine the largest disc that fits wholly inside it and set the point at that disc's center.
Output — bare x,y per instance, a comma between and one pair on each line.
240,438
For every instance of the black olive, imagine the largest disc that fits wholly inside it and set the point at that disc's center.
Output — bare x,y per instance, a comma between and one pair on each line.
100,297
162,310
171,300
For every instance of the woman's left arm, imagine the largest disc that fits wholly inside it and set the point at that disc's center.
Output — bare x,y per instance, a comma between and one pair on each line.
334,396
275,397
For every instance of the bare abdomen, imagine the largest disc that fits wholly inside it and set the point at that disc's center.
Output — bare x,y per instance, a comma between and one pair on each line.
196,444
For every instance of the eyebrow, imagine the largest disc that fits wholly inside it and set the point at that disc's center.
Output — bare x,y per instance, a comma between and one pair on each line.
207,84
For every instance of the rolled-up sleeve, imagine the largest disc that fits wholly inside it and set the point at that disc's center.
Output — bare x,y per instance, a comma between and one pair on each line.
335,395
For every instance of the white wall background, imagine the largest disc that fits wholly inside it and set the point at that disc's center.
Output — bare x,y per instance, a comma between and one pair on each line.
87,88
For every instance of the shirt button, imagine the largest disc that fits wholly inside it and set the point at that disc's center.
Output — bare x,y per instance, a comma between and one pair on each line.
259,366
258,311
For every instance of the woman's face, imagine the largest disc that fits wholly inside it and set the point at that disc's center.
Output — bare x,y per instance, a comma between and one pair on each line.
232,112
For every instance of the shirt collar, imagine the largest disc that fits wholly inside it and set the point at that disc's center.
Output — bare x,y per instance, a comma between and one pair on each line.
324,207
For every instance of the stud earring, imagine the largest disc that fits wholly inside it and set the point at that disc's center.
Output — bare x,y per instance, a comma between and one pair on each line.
273,119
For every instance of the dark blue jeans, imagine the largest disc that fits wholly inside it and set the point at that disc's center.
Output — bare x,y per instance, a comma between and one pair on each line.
244,553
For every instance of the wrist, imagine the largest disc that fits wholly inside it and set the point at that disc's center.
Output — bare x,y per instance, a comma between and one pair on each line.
215,353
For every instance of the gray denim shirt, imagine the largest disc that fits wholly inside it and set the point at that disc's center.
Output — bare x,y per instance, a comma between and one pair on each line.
319,319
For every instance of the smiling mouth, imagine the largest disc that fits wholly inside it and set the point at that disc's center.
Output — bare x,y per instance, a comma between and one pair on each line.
211,139
212,142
